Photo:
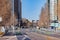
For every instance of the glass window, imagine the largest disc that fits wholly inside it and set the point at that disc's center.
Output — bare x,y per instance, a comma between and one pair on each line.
55,1
52,9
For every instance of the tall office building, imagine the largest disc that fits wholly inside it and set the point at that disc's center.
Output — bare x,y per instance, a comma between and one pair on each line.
5,12
52,4
17,11
51,11
10,10
52,8
44,17
54,11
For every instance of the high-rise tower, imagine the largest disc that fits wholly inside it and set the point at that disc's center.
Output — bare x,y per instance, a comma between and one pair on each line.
17,11
53,11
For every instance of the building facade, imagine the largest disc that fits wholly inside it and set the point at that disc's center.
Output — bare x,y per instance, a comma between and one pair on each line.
5,11
44,17
51,13
10,12
17,11
54,8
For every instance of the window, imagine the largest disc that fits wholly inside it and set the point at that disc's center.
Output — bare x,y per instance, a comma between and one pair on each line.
52,9
55,1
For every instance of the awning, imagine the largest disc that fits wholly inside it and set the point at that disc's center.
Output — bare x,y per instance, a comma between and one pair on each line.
54,24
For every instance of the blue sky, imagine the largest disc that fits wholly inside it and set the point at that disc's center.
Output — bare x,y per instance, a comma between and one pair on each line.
31,9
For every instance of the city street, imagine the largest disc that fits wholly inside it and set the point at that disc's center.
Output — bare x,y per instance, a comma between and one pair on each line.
30,20
37,36
30,36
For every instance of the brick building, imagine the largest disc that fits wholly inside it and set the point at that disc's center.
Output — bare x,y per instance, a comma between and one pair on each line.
54,11
10,11
50,14
44,17
10,14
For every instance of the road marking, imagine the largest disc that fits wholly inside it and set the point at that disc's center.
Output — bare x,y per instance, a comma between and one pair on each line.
25,36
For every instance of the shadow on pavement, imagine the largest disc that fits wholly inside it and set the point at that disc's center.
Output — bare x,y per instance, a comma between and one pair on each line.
23,37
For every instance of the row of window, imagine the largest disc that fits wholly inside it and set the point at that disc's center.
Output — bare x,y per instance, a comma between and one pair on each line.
52,13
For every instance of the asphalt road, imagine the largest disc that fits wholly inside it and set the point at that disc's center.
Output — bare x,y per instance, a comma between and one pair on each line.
30,36
52,34
36,36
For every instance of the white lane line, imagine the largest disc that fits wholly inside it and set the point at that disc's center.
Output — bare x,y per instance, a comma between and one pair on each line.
25,36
